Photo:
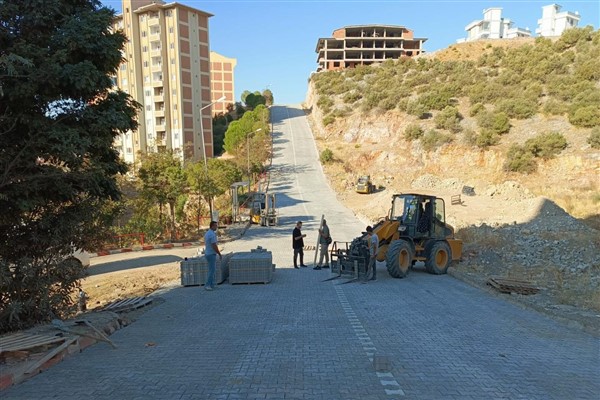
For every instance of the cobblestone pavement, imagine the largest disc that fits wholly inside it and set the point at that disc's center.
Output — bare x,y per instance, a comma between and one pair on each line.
432,337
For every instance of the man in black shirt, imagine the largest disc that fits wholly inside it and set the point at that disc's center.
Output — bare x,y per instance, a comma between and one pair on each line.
298,244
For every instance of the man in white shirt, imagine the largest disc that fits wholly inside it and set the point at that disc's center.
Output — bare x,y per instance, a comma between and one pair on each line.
211,250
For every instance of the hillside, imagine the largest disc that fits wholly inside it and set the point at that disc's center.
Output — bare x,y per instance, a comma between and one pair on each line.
518,124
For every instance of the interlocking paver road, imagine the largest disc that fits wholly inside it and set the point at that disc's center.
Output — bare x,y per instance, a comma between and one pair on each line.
301,338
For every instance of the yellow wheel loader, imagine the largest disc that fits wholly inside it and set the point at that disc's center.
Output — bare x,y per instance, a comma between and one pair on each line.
414,230
364,185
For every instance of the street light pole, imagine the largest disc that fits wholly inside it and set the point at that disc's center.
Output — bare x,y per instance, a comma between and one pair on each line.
248,150
222,98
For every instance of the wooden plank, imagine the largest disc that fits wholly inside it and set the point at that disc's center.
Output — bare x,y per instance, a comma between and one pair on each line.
27,341
50,355
106,339
512,286
132,303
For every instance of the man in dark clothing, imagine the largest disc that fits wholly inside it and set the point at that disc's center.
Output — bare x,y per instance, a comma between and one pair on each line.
298,244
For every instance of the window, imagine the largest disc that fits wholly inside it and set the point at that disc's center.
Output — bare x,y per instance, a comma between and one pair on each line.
145,49
172,61
170,29
145,64
168,13
174,92
175,107
172,45
148,107
176,136
143,33
175,122
124,81
129,151
146,78
148,93
123,67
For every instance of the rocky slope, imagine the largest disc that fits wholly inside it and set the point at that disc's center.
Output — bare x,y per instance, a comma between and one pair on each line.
537,227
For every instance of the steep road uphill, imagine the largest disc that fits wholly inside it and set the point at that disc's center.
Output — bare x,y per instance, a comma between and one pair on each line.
301,337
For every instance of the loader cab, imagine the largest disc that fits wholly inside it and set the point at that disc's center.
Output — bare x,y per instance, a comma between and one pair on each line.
419,215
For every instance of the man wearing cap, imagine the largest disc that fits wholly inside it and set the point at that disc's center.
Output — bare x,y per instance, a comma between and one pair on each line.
298,244
373,241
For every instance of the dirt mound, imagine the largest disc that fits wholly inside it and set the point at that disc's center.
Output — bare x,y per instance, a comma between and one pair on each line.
509,190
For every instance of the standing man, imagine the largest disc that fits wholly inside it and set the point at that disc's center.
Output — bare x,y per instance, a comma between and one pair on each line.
324,241
210,251
373,248
298,244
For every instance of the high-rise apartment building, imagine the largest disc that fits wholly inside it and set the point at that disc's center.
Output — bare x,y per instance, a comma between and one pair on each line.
166,70
366,44
222,79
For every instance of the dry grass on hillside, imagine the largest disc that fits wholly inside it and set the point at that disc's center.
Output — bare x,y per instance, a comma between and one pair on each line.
472,50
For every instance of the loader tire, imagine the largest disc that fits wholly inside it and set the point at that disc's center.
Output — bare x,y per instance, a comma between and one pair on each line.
399,258
439,258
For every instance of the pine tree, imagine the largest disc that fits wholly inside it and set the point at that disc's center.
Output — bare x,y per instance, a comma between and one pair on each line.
58,120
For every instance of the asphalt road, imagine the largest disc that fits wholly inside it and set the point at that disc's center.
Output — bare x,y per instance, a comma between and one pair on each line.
301,337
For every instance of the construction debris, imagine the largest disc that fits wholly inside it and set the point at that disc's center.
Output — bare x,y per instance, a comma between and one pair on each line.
512,286
128,304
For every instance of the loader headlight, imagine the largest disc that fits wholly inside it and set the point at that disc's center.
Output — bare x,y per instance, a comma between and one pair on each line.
401,228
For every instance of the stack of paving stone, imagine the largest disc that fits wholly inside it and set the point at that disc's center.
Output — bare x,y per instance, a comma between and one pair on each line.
255,266
195,269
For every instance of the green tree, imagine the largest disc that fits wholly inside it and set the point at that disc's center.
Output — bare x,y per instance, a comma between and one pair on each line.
268,95
211,180
59,118
162,181
253,100
245,94
250,122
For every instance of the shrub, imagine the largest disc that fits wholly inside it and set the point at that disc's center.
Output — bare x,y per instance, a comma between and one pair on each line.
518,159
403,104
469,137
326,156
389,102
352,97
476,109
546,145
496,122
328,119
585,116
487,138
555,107
519,108
417,109
594,139
434,139
325,103
34,290
413,132
449,119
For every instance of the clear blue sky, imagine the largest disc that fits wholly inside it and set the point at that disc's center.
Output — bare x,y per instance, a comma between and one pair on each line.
274,41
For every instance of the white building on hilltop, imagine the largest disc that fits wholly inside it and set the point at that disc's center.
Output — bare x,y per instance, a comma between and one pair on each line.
554,22
493,26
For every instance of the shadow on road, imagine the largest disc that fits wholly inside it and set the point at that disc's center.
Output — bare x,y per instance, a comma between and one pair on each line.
134,263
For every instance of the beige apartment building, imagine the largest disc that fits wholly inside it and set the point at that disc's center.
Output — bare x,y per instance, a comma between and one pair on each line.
366,44
166,70
222,78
